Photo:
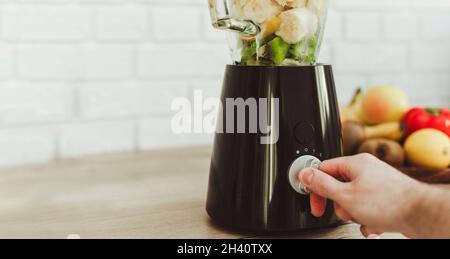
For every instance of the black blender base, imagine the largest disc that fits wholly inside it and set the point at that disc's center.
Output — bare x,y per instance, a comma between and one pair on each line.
238,227
249,186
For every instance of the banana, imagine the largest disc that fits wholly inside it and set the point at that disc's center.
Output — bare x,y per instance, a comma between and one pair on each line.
388,130
353,111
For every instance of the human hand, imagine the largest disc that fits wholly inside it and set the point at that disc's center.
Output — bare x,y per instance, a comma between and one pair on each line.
364,189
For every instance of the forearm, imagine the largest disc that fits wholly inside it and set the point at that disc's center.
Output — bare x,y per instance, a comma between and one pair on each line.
429,213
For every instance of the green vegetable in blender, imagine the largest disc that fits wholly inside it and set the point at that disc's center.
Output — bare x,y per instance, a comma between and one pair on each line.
279,50
275,50
312,43
297,50
248,52
304,51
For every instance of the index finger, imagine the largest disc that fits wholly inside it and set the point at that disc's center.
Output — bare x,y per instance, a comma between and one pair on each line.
340,168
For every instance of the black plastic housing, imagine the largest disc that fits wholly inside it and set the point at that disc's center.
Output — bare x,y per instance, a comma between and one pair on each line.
248,184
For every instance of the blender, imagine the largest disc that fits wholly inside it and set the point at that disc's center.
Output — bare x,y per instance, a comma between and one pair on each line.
253,182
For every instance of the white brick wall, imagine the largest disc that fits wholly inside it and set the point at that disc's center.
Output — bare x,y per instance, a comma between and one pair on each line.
80,77
84,138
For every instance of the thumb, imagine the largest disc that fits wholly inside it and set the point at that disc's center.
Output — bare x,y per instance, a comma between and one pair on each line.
322,184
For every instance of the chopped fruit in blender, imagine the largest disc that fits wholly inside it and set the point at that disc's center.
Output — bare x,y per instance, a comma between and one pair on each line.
290,31
304,52
248,52
275,50
292,3
283,2
297,24
270,26
298,50
257,11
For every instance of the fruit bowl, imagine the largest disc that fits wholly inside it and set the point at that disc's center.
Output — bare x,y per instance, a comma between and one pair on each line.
427,175
414,140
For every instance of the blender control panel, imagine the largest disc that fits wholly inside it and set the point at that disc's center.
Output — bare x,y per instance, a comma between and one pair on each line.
304,134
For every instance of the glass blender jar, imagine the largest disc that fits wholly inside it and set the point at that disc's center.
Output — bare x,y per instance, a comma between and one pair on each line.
253,183
272,32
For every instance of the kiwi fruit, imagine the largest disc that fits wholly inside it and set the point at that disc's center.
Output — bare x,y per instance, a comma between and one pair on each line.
275,50
386,150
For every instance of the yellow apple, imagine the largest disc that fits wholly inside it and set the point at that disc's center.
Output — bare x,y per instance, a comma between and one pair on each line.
384,103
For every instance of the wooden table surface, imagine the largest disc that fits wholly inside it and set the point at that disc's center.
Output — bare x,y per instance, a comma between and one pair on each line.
158,194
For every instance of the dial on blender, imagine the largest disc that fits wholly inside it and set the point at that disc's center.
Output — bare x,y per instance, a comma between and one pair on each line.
274,48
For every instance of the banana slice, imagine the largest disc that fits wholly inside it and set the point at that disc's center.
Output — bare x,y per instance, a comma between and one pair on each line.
297,24
259,11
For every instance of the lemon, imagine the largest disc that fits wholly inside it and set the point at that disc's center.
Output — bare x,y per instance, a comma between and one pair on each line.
428,148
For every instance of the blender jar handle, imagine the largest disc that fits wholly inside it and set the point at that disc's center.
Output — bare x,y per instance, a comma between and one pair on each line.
221,19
